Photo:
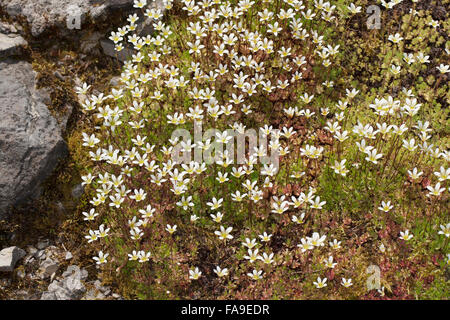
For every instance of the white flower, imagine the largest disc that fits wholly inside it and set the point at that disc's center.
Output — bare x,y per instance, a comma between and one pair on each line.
101,258
255,275
194,274
443,68
215,204
171,229
354,9
320,283
317,240
266,258
90,216
396,38
224,234
335,244
305,244
405,235
221,272
445,230
346,282
414,173
144,257
265,237
436,190
329,263
385,206
249,243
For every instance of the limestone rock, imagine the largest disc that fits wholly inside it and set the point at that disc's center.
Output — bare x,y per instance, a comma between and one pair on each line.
49,267
11,44
65,15
9,257
70,287
30,138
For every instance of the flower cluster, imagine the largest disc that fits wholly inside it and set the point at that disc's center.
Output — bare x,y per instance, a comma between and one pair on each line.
239,65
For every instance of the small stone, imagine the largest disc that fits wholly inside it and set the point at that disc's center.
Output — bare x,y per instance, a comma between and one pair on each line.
49,267
52,250
9,257
90,295
100,296
29,259
67,289
7,28
75,271
97,284
105,290
48,296
43,244
69,255
40,255
75,287
31,250
56,291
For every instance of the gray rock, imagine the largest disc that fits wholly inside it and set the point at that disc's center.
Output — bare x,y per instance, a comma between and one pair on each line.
57,291
30,139
100,296
29,259
47,295
144,28
31,250
75,286
11,45
90,295
70,287
9,257
43,244
40,255
97,284
7,28
105,290
48,267
42,15
108,49
60,207
75,271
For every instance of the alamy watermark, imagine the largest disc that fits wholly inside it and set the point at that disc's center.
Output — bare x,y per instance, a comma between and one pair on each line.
215,146
374,20
73,19
374,280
